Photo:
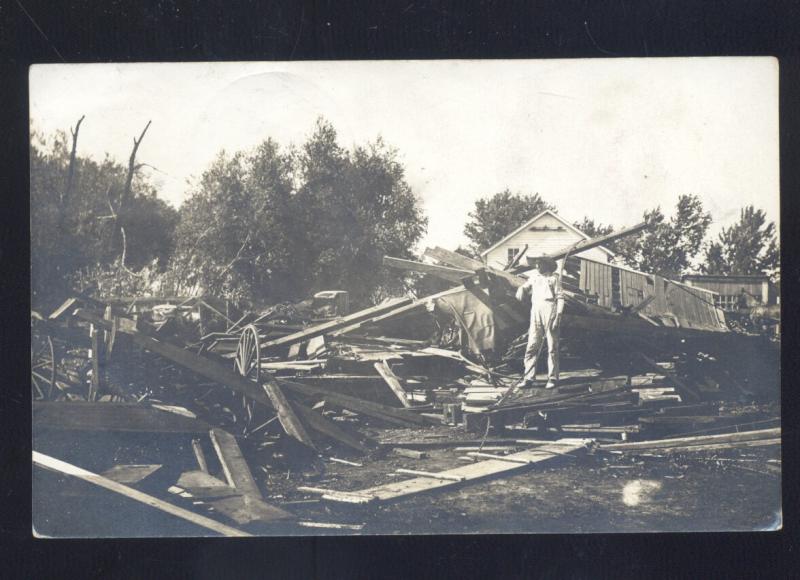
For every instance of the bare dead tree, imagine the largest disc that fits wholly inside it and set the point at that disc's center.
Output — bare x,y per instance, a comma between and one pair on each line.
126,192
71,169
125,197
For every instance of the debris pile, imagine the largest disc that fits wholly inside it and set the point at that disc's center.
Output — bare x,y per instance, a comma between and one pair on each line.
263,406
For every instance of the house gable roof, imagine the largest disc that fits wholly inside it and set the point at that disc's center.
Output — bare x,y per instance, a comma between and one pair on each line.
532,221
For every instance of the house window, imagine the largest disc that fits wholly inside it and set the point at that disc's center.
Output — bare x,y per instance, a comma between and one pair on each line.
511,254
726,301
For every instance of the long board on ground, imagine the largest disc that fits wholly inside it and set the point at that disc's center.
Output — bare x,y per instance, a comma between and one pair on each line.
59,466
481,470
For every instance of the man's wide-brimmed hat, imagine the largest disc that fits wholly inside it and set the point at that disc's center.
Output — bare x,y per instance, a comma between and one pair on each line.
546,264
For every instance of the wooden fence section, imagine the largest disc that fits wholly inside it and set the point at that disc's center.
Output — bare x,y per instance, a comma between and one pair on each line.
670,303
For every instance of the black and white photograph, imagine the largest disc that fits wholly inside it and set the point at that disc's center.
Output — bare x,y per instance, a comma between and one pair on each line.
405,297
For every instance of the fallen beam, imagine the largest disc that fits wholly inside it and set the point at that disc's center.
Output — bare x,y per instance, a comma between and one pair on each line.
376,410
385,371
469,473
328,327
286,415
592,243
719,446
59,466
405,309
760,434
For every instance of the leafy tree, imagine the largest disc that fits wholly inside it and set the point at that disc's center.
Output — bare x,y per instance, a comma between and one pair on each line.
592,229
495,217
747,247
275,225
667,247
73,226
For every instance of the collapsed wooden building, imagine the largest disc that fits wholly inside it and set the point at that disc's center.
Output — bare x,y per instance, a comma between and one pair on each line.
647,364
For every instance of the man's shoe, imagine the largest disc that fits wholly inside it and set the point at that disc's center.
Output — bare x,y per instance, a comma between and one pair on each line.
522,384
550,385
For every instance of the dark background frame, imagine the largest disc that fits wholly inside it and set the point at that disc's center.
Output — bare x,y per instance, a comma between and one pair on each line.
171,30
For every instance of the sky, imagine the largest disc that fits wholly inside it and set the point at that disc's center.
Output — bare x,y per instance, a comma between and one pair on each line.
605,138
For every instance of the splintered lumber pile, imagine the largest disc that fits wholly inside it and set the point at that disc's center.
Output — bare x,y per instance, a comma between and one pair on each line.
281,391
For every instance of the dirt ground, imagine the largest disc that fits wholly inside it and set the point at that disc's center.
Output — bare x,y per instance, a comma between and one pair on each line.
714,490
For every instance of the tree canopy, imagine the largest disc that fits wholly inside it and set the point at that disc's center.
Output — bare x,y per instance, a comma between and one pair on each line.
273,224
667,247
749,246
592,229
496,216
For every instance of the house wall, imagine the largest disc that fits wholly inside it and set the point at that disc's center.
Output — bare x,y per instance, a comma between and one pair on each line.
729,290
673,303
542,241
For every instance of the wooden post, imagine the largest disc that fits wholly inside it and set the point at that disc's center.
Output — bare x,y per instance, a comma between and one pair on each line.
94,388
199,455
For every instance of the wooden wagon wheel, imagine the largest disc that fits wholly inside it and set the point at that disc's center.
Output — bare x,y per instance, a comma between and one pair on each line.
248,354
248,361
43,365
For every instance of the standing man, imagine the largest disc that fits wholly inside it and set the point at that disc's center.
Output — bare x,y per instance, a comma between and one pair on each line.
547,304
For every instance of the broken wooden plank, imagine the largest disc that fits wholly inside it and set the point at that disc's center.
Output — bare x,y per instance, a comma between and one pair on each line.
475,472
117,417
237,472
418,304
385,371
482,455
719,446
376,410
340,496
697,440
130,474
592,243
345,462
227,500
94,388
58,312
332,325
410,453
444,476
286,415
199,455
59,466
201,484
332,526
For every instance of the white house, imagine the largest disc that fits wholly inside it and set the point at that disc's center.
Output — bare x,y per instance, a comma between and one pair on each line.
544,233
